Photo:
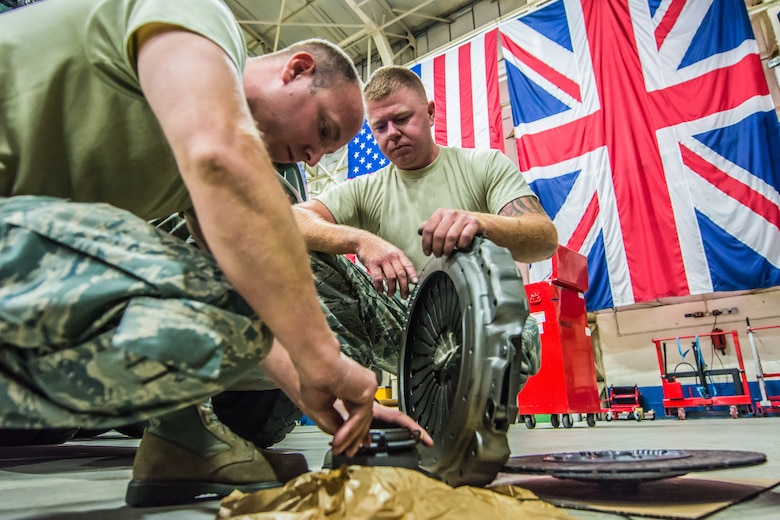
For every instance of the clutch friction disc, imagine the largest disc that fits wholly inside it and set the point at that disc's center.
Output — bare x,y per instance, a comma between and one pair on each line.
630,465
459,366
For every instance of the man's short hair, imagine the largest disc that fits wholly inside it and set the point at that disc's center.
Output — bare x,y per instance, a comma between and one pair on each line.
386,81
332,65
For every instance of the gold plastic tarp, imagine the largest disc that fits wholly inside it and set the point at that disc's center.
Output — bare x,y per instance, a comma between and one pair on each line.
363,493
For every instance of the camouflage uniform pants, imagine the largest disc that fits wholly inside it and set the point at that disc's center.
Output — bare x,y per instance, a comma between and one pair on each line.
105,320
370,325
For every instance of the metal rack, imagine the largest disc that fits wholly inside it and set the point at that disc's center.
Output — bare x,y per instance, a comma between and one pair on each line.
768,403
676,402
625,402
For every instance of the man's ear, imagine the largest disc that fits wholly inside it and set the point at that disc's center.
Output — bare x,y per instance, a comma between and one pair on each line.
431,112
298,64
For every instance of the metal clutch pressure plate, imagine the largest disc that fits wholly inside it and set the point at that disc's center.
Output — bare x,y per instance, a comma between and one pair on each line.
459,367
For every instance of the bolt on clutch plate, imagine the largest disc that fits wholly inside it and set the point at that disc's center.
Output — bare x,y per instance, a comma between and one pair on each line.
459,370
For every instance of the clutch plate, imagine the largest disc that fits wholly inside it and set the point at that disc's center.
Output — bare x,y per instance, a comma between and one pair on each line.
459,367
630,465
389,447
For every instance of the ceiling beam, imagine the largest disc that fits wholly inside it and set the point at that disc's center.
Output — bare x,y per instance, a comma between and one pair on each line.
425,16
376,34
302,24
364,33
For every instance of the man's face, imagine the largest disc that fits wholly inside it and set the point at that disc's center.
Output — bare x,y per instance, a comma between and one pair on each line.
401,124
299,125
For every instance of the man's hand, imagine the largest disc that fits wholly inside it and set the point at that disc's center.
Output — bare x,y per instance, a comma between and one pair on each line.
395,416
355,386
448,229
347,420
315,385
386,263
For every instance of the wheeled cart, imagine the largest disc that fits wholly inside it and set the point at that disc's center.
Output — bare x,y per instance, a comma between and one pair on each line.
768,403
676,400
625,402
566,383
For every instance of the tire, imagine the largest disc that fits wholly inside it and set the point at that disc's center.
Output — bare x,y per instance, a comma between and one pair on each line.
590,419
567,420
555,420
44,436
264,417
530,422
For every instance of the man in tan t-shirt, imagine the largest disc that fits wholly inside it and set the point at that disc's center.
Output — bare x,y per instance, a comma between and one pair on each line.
429,201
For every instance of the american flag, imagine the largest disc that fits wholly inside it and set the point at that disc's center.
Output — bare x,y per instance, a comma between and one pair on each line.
647,130
463,83
364,154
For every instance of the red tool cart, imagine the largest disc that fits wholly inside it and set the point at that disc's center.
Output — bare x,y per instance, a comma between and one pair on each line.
700,376
566,382
625,402
768,403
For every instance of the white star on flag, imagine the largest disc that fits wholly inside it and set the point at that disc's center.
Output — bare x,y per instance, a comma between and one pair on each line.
364,154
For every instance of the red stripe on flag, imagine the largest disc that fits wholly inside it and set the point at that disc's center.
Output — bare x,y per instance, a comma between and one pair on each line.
579,235
654,256
731,186
440,98
724,92
559,80
466,101
495,122
668,21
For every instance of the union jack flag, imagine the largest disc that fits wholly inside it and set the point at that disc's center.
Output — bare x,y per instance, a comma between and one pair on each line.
647,130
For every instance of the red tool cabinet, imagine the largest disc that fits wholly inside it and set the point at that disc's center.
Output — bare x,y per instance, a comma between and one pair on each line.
566,382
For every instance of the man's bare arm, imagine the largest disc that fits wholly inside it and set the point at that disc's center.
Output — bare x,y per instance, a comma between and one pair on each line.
386,263
197,95
320,231
521,226
528,233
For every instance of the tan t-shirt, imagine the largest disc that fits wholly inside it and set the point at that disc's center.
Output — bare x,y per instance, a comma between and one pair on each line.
393,203
73,120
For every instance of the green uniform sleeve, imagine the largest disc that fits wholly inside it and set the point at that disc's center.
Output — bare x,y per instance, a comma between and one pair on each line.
112,25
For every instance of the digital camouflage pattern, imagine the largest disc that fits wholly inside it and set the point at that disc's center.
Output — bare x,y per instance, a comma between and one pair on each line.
370,325
105,320
531,345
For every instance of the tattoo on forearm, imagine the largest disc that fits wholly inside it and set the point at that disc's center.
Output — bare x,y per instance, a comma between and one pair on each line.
521,206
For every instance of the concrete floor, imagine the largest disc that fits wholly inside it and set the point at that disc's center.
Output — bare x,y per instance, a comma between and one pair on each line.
86,479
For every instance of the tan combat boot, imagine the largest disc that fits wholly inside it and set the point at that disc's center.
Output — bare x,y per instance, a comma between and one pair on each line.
190,455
